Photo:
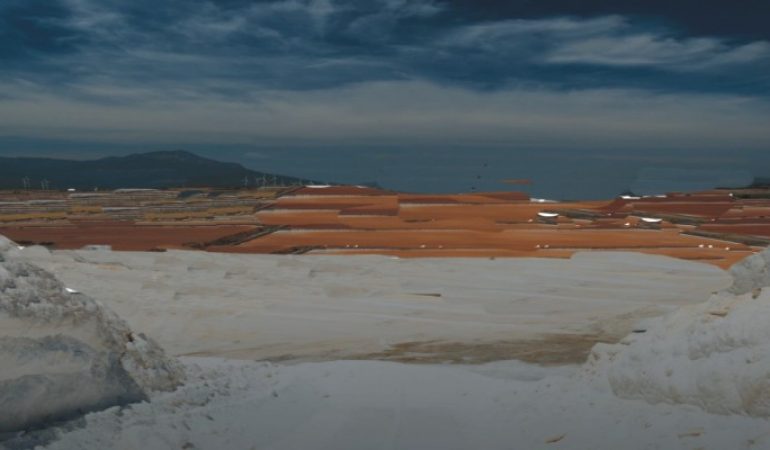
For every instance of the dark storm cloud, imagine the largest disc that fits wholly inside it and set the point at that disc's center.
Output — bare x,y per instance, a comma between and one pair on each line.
209,46
746,19
505,76
34,27
226,47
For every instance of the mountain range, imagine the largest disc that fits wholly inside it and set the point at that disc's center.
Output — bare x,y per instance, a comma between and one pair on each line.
158,170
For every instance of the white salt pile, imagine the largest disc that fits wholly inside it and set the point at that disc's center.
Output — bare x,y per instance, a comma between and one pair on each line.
714,355
63,354
750,274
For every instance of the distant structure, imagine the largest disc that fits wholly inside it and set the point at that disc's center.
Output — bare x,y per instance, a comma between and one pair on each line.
549,218
651,223
517,181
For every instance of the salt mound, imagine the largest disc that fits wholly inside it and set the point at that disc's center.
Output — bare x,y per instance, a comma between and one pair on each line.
63,354
751,273
715,355
6,244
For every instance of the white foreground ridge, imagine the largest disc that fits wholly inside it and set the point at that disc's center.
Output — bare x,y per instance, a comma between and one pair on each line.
714,355
63,354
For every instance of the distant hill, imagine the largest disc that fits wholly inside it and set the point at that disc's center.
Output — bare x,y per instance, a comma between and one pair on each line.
144,170
760,182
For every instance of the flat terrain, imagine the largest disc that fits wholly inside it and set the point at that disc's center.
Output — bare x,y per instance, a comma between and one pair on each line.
337,330
315,307
505,308
354,405
716,227
128,237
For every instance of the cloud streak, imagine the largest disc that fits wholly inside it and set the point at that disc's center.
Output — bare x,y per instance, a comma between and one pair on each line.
310,44
605,41
408,111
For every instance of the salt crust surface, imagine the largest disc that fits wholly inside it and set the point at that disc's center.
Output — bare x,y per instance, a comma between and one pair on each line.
694,378
62,353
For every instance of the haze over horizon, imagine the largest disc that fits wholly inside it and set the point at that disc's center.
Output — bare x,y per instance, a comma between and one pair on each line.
587,98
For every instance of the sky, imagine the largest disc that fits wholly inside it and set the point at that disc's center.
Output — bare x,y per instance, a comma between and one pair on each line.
587,98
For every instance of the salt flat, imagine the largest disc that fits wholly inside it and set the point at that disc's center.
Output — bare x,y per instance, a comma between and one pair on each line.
695,378
353,405
319,307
